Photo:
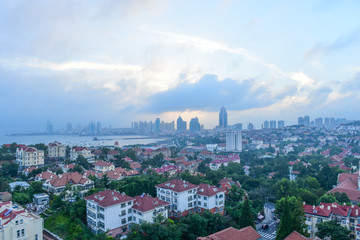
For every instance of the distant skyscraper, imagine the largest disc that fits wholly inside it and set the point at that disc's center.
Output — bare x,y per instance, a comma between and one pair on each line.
92,127
250,126
307,121
327,121
98,127
49,127
319,121
180,125
157,125
238,126
233,141
195,125
272,124
300,121
281,124
266,124
223,118
69,127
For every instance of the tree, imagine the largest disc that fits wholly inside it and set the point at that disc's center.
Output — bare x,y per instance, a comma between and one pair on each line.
327,198
10,169
246,217
158,230
332,229
193,226
286,224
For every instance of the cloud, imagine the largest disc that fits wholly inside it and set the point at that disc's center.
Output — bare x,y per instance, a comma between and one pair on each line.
209,94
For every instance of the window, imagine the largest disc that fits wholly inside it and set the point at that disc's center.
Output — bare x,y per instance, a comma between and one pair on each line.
36,237
140,213
123,212
101,225
129,210
309,228
319,220
205,198
168,199
134,218
17,222
205,204
140,221
129,203
21,221
190,191
18,233
352,220
123,205
190,205
129,219
22,232
123,221
199,203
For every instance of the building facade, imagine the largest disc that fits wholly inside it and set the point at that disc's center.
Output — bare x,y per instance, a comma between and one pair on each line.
210,198
223,118
233,141
180,125
57,150
29,156
18,223
81,151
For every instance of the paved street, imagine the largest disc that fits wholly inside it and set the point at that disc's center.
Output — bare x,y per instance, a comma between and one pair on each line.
270,233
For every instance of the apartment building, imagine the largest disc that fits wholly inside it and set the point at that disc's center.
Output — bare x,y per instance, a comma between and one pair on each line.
29,156
180,194
347,216
210,198
18,223
81,151
114,211
57,150
102,166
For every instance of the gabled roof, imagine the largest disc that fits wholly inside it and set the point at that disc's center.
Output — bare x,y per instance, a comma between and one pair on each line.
247,233
297,236
108,198
144,203
177,185
73,178
208,190
102,164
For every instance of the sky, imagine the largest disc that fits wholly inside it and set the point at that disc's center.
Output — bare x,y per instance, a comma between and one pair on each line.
130,60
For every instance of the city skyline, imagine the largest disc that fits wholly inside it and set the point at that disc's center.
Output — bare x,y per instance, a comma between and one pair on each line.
122,61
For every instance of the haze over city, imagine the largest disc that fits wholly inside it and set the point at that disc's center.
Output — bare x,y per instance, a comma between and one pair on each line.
123,61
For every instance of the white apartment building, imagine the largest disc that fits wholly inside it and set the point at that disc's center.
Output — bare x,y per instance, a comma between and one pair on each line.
210,198
114,211
180,194
233,141
147,208
83,151
18,223
346,216
29,156
57,150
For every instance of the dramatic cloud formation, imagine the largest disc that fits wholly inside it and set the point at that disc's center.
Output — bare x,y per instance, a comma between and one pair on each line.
122,61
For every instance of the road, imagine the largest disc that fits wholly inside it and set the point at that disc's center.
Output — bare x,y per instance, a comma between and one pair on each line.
270,233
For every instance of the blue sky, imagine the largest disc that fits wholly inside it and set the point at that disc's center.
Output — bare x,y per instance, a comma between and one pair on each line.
121,61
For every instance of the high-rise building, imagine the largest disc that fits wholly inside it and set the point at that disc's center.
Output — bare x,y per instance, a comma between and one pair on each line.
157,125
180,125
266,124
98,127
319,121
195,125
92,127
49,127
223,118
300,121
307,121
250,126
233,141
272,124
238,126
281,124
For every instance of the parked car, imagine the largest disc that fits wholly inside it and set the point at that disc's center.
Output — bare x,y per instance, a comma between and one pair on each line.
265,226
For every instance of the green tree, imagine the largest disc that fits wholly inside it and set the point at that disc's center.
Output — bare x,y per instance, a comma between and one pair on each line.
327,198
246,217
332,229
286,222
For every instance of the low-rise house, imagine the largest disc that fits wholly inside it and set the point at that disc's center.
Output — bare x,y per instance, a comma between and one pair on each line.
135,166
57,150
17,223
41,199
111,154
28,170
58,184
22,184
171,169
348,183
81,151
297,236
247,233
68,167
102,166
210,198
121,173
29,156
44,176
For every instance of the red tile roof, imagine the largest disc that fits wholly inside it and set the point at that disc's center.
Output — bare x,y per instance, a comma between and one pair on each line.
103,164
208,190
72,178
108,198
144,203
231,233
297,236
177,185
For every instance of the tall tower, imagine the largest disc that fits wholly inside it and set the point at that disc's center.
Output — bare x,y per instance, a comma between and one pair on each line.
223,121
181,125
157,125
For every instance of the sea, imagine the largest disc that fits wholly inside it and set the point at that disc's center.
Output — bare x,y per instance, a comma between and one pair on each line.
75,140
